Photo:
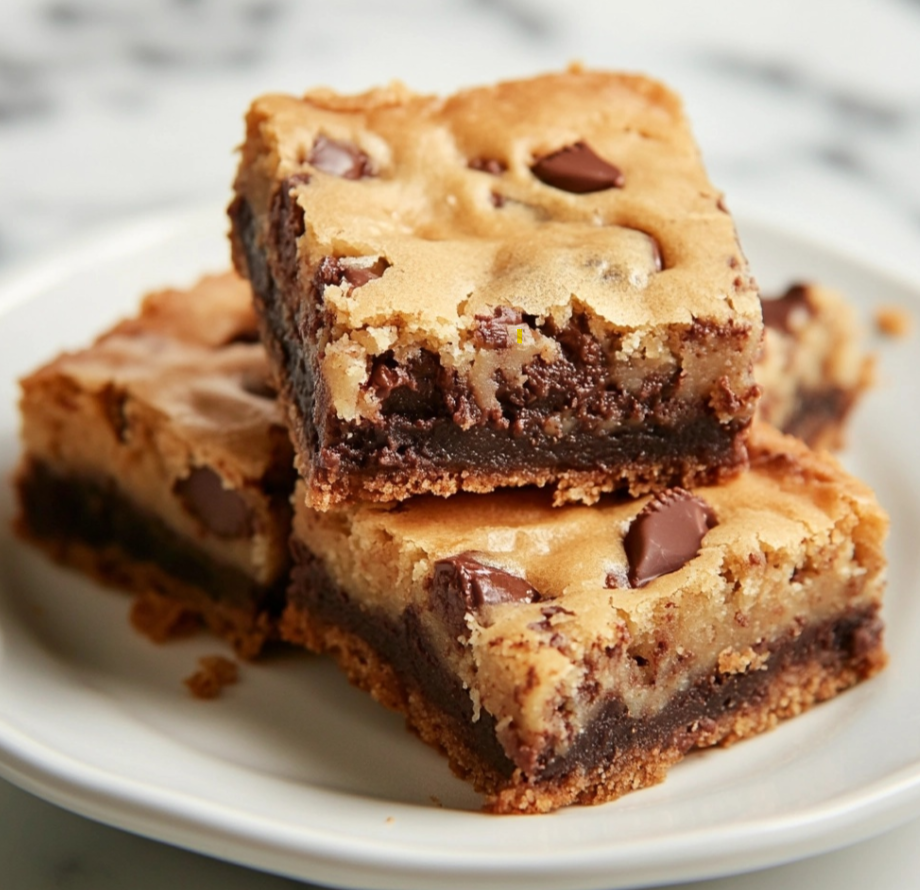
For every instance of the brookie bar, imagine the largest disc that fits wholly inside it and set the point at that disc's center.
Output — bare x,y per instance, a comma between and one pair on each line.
532,283
157,460
573,654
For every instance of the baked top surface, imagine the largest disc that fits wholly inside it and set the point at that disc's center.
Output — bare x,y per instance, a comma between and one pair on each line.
453,253
790,497
190,359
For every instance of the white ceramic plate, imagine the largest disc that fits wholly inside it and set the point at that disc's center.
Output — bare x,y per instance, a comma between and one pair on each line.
294,772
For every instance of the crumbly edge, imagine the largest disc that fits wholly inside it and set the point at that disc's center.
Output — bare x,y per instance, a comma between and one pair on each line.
792,689
158,593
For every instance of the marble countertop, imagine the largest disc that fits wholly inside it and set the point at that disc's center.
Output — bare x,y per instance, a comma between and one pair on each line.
807,111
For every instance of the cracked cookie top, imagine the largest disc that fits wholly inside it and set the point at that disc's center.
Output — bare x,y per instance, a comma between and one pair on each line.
575,192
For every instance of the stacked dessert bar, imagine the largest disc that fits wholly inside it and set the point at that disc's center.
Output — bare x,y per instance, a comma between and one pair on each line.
530,301
156,460
519,355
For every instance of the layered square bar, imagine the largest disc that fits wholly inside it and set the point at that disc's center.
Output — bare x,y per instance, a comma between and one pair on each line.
813,369
531,283
572,654
157,460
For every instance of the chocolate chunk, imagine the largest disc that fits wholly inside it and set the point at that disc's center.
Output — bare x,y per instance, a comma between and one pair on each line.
386,375
778,312
356,276
488,165
480,585
666,534
492,331
222,510
333,271
576,168
340,159
462,584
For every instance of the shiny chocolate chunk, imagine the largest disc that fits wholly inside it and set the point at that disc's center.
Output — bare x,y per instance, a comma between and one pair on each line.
577,169
488,165
666,534
221,510
779,311
462,584
341,159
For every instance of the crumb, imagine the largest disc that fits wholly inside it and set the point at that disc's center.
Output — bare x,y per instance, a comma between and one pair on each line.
893,321
436,801
161,619
390,820
214,672
732,662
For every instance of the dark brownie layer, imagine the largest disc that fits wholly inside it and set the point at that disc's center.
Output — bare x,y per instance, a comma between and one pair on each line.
850,642
431,426
95,513
403,645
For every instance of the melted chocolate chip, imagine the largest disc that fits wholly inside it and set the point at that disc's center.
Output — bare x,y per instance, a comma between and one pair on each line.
462,584
577,169
357,277
492,166
341,159
666,534
778,312
492,331
222,510
333,271
386,376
